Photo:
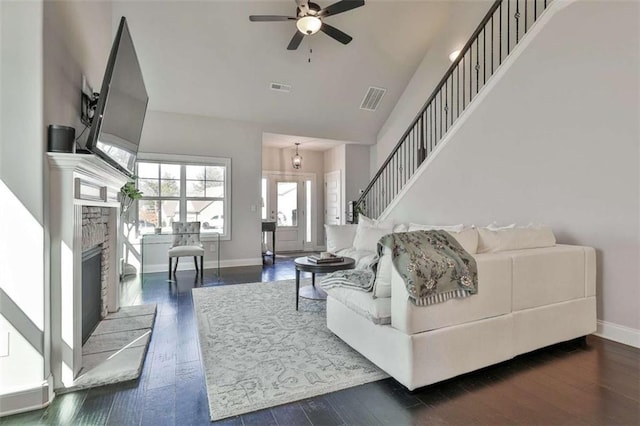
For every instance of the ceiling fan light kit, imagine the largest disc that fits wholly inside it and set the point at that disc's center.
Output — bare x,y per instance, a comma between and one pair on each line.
309,20
309,24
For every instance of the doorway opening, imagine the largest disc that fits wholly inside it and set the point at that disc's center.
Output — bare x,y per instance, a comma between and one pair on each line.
290,200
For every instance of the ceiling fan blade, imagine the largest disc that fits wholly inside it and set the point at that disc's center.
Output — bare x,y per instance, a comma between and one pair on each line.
270,18
335,33
340,7
295,41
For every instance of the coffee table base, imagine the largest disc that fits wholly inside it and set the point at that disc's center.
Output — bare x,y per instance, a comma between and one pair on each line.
314,293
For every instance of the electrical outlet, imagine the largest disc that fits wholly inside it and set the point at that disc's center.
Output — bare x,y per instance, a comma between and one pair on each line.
212,248
4,343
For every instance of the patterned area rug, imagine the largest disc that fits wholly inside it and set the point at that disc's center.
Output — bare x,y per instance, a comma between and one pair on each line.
258,352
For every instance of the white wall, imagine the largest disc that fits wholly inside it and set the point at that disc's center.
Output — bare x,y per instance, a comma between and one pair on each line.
357,170
22,297
557,142
279,160
465,15
78,41
353,161
46,46
171,133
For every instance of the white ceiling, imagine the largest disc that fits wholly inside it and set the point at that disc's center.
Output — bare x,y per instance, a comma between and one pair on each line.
275,140
206,58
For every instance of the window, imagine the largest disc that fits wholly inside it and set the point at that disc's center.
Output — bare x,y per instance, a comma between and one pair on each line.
307,196
287,203
264,199
181,188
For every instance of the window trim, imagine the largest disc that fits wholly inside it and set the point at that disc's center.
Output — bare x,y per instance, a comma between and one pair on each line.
186,160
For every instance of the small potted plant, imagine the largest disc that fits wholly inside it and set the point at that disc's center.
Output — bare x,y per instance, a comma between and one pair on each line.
128,194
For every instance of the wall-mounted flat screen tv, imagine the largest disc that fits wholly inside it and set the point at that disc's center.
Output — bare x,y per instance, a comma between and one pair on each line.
122,105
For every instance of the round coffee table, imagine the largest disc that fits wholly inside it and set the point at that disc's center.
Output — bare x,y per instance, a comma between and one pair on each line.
312,292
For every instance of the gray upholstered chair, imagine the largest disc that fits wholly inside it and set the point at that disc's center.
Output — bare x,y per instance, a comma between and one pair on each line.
186,242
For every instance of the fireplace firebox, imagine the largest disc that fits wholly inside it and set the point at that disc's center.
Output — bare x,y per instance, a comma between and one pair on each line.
91,290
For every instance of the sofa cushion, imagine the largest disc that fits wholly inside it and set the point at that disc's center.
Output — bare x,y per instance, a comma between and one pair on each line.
548,275
382,286
493,299
502,239
376,310
400,227
339,236
363,258
450,228
495,227
468,239
374,223
369,232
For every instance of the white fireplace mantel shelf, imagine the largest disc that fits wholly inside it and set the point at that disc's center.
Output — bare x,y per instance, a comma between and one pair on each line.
77,180
90,172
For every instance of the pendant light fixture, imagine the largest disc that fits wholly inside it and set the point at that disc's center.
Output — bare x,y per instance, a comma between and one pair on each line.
296,160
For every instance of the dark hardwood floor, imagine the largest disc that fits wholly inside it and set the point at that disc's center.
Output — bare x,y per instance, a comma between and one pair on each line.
583,382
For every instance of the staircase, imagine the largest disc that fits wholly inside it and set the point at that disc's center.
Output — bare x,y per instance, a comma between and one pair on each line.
499,32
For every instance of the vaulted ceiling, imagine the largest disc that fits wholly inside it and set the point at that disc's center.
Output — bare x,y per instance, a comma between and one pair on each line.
206,58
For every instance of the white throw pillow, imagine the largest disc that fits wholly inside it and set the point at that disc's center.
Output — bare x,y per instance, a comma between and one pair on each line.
495,227
467,238
369,232
491,240
339,236
401,227
367,238
448,228
382,286
374,223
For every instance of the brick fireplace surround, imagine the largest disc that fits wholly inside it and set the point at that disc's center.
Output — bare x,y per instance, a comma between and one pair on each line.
82,189
95,232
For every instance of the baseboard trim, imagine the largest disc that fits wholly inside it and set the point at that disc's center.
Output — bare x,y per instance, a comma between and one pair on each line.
618,333
26,400
208,264
256,261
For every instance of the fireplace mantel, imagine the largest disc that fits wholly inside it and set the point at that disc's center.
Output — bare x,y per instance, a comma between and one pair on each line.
77,180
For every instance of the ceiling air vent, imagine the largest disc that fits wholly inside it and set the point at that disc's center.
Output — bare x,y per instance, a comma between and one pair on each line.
372,98
280,87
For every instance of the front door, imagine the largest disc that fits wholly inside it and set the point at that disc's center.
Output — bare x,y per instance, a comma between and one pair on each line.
289,220
289,203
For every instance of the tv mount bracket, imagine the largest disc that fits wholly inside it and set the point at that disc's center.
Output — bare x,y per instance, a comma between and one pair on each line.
88,107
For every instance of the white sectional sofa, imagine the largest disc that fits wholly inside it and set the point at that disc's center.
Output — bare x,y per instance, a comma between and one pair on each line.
528,298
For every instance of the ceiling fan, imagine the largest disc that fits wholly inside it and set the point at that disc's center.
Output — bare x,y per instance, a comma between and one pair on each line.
309,20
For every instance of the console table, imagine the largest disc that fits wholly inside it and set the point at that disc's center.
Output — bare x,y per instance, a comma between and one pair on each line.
268,226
